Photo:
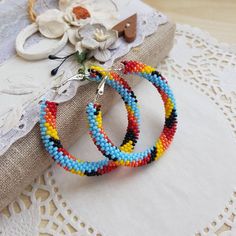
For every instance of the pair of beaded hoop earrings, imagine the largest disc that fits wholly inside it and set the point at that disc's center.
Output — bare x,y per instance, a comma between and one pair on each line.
114,156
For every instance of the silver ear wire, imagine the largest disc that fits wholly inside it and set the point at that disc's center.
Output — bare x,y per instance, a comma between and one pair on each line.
118,68
101,86
100,89
77,77
82,76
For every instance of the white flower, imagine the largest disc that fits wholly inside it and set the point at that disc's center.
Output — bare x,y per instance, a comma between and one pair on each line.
51,23
100,35
80,12
98,41
77,15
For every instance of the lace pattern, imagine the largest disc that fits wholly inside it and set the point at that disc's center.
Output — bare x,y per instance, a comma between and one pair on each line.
13,17
19,118
210,66
41,209
210,73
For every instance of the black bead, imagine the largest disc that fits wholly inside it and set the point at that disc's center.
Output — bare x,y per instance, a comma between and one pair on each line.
57,143
153,154
156,73
170,121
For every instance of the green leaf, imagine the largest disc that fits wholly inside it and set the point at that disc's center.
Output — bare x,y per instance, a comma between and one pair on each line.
81,57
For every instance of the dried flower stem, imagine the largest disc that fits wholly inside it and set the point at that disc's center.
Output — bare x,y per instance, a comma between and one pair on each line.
31,11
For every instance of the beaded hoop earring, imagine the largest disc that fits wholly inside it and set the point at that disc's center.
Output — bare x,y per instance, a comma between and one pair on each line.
142,158
53,145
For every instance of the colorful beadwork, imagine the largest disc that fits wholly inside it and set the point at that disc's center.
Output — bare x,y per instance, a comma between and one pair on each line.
142,158
54,146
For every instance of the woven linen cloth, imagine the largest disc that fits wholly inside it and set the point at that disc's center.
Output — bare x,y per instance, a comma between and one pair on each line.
26,159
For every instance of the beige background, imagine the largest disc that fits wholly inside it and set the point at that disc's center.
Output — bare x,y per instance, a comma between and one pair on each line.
216,16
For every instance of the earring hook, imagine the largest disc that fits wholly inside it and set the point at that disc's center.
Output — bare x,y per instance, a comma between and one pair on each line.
100,89
77,77
82,76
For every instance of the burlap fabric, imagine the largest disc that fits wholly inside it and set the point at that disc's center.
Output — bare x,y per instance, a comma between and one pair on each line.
26,159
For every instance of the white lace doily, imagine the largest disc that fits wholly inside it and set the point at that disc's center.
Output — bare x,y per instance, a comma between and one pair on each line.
19,113
13,18
190,191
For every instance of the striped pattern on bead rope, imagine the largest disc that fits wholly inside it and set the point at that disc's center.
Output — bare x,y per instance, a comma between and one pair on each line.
54,147
162,143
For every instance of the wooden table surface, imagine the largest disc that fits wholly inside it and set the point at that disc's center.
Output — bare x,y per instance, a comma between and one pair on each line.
218,17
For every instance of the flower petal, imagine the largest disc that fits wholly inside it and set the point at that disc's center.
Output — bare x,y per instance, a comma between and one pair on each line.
113,34
63,4
105,12
51,24
110,41
89,30
89,43
102,55
115,45
72,36
69,16
90,54
78,47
